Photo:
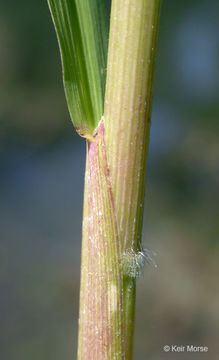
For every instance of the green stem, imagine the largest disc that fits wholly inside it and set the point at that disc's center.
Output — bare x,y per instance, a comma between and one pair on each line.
130,68
114,186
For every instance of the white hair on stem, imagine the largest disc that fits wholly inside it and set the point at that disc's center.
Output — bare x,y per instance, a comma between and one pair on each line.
133,262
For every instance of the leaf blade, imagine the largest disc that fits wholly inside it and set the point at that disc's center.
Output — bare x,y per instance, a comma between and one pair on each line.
82,32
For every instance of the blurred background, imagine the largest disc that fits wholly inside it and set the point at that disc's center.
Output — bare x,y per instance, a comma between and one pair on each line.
41,190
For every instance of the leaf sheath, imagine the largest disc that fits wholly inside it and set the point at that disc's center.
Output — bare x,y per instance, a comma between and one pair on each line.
100,320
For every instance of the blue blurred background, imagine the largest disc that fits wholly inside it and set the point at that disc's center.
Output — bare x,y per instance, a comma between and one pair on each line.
41,190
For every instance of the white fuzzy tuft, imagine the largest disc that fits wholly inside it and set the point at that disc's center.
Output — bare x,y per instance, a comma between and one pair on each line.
133,262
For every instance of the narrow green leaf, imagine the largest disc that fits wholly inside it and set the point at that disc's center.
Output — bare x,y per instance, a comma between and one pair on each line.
82,31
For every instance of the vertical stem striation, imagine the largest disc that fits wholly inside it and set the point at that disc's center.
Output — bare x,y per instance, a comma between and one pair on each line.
100,322
114,186
116,157
130,68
